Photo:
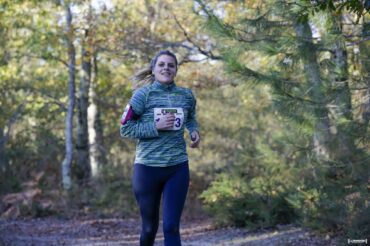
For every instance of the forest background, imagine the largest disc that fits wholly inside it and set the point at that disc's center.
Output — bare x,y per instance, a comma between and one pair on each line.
283,102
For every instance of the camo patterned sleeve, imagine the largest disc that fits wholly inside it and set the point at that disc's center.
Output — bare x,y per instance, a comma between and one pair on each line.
191,123
136,128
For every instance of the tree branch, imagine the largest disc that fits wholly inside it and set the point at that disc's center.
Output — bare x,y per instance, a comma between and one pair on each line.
12,121
42,57
42,94
208,54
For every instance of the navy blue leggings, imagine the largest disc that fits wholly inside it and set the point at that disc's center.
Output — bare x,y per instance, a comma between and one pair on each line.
148,184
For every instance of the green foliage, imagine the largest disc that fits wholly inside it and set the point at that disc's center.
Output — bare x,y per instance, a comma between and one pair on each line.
318,209
258,49
307,7
109,195
258,203
322,207
359,225
250,190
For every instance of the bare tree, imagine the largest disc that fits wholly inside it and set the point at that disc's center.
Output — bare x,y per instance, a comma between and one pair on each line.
69,33
96,150
82,144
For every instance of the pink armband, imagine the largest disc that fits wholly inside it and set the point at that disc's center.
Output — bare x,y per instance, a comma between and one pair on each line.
127,114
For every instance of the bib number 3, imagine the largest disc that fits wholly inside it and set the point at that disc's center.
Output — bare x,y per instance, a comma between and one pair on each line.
177,122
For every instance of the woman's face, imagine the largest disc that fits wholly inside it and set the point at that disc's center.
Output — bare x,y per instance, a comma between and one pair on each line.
165,69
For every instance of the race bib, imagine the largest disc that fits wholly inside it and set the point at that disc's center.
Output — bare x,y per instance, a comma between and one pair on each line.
178,112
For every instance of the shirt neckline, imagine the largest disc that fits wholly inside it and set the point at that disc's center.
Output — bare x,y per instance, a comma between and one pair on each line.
166,87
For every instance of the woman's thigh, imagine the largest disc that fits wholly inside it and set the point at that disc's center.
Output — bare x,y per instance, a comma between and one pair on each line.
174,195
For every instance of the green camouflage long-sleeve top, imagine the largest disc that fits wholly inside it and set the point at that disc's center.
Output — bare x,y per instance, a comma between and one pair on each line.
160,147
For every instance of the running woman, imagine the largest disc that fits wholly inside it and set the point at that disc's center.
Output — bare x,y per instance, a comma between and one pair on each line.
157,116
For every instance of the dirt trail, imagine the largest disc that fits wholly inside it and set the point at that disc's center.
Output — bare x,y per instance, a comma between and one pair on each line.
50,231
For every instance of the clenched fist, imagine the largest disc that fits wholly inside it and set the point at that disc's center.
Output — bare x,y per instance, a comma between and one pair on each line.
165,122
195,139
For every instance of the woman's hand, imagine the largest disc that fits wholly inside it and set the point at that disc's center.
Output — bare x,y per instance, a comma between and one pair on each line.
165,122
195,139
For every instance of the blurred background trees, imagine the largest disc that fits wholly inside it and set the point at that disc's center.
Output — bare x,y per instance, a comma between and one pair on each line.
283,103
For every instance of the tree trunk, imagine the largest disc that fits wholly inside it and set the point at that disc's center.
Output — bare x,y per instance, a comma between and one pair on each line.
5,136
82,146
365,62
66,164
95,126
340,109
3,62
153,14
3,162
307,50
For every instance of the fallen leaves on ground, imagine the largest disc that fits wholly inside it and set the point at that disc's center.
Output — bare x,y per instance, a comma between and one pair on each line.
53,231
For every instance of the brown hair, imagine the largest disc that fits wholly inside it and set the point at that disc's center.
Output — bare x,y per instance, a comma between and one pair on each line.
145,75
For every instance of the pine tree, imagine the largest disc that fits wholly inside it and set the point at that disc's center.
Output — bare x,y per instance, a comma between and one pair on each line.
311,92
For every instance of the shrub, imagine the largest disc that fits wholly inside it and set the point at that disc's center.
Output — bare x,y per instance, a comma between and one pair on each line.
257,203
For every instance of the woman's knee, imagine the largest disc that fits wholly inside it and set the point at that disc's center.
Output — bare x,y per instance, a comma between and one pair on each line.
150,230
148,235
169,228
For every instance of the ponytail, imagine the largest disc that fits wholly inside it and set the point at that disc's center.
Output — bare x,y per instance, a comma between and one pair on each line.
143,77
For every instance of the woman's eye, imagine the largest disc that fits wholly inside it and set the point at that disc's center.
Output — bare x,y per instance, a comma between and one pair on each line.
170,65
